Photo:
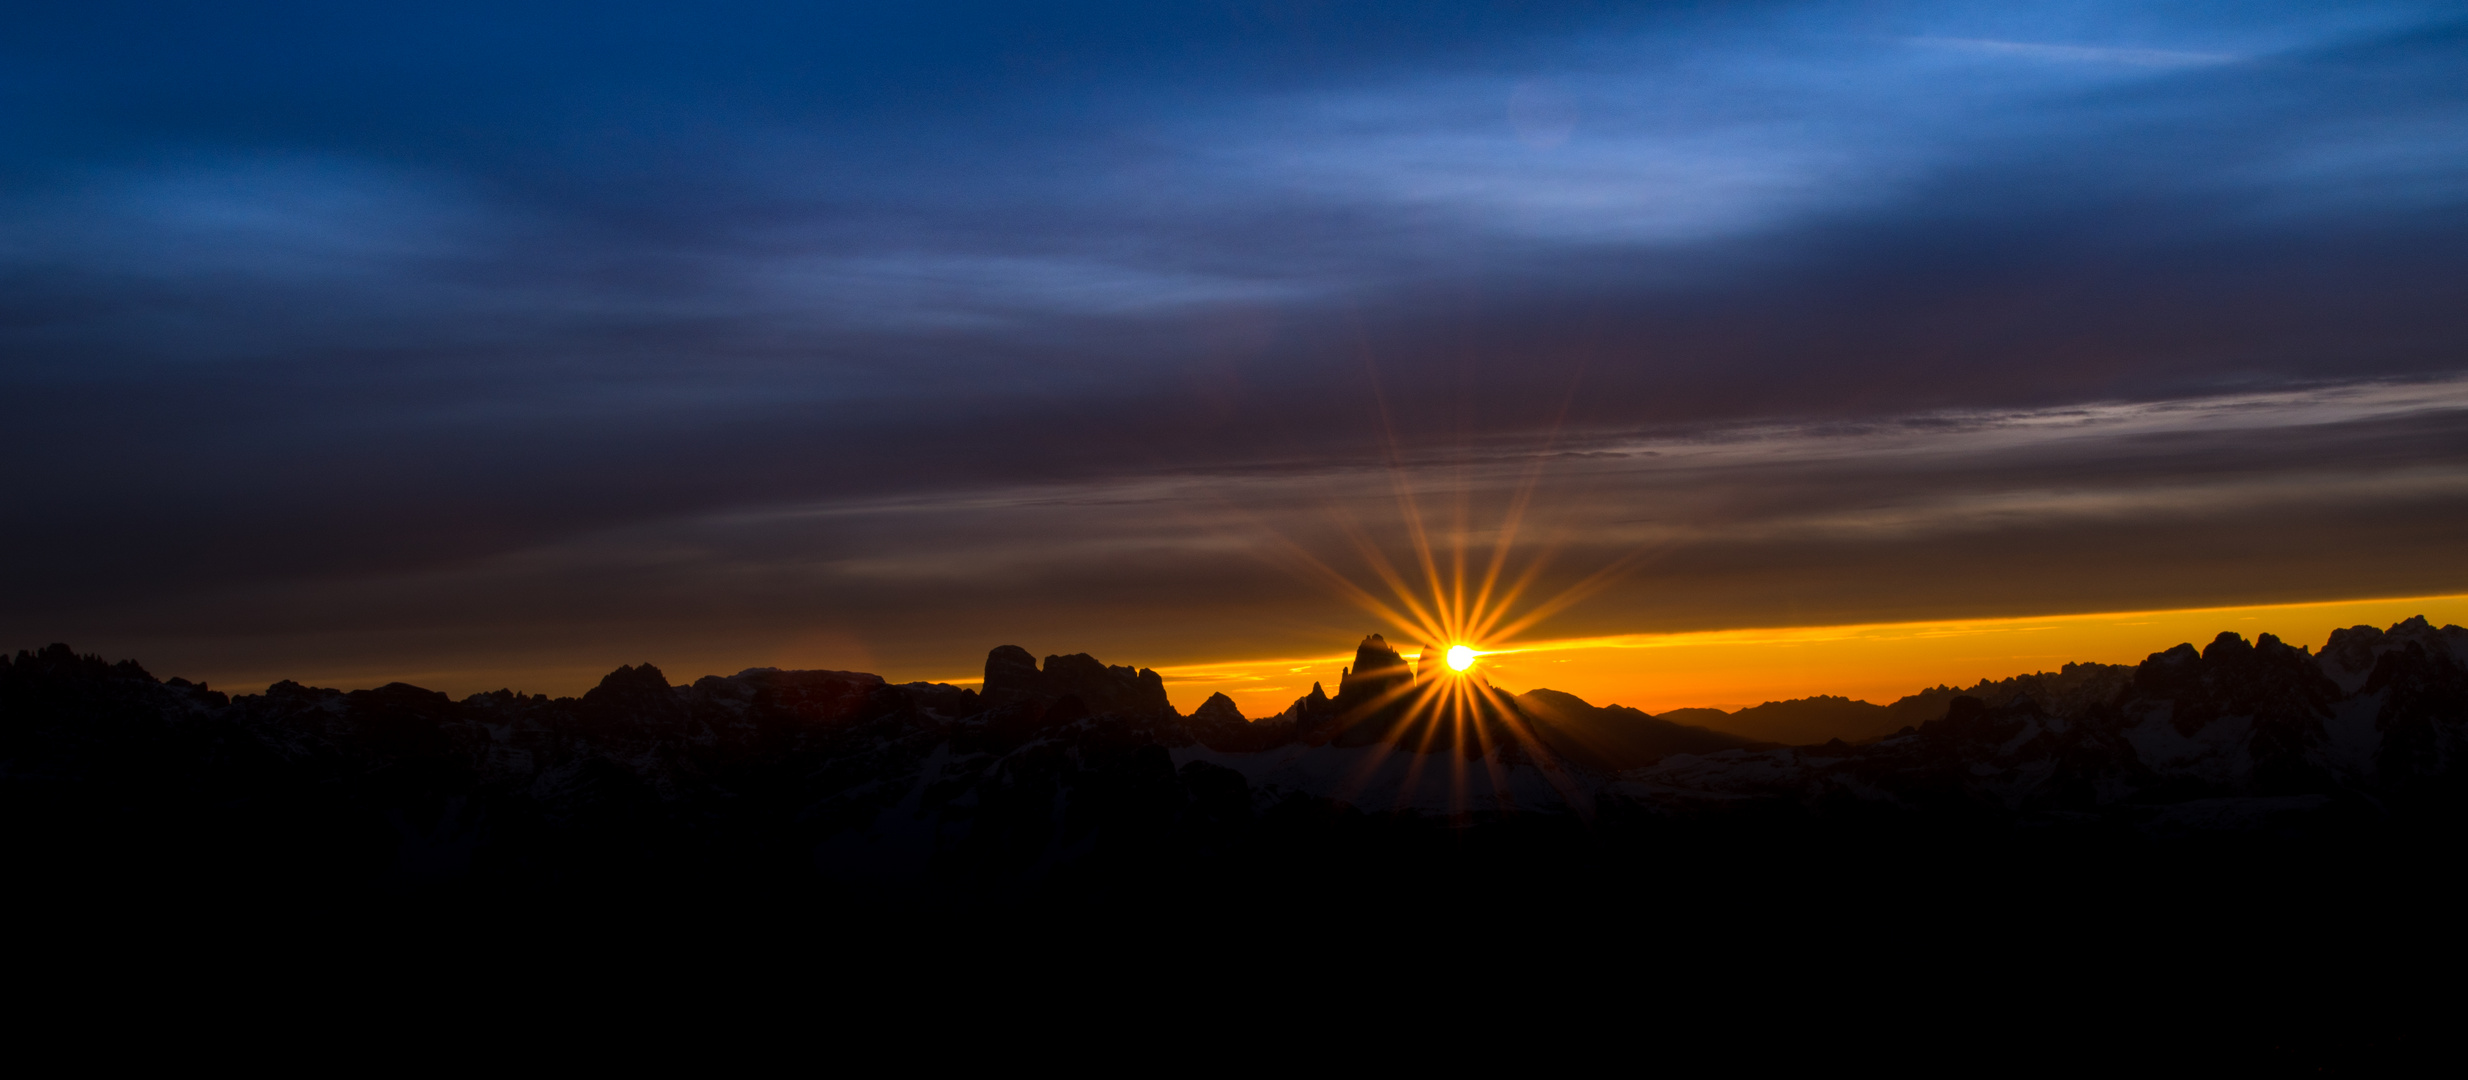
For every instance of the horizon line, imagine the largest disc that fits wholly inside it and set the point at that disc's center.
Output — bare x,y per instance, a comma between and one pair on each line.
1779,635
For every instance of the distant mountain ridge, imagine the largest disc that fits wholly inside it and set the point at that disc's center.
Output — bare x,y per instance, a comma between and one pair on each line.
1802,721
1615,737
1070,768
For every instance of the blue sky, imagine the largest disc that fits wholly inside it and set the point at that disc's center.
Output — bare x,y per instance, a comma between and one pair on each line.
329,325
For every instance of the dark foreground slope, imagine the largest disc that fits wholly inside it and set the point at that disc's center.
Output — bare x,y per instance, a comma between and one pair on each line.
1078,780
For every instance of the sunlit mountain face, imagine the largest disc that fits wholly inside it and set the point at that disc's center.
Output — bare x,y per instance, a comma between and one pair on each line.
498,344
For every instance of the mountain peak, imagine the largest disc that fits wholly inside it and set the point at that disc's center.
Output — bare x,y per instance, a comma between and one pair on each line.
1218,707
1011,674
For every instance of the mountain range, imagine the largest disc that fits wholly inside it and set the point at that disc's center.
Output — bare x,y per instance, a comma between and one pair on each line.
1072,775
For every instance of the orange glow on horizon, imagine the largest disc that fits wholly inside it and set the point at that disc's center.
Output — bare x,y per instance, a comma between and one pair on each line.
1877,662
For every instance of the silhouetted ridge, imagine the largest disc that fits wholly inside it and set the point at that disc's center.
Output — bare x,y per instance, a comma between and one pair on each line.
640,691
1614,737
1219,725
1311,713
2070,691
1809,721
2348,658
1079,772
1804,721
1011,676
1704,718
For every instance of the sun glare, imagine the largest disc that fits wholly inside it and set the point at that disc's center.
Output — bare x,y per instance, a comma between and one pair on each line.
1449,593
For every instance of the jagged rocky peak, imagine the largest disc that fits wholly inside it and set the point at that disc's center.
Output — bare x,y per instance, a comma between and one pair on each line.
2264,679
1011,674
635,687
2070,691
58,660
1311,708
1377,670
1375,654
2348,658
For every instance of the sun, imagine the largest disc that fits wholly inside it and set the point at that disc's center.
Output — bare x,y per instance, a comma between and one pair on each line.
1460,657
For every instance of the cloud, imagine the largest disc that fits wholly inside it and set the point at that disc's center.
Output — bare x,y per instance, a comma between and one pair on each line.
381,333
2180,502
2079,54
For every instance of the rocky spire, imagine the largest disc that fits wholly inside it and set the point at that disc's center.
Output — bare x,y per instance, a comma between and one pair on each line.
1377,670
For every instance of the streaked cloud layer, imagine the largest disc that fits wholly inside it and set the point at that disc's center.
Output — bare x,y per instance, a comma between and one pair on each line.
531,339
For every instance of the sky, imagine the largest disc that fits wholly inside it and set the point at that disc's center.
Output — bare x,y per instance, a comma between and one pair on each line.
500,344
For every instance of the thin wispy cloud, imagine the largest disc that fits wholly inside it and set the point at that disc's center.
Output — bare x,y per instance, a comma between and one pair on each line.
2078,54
